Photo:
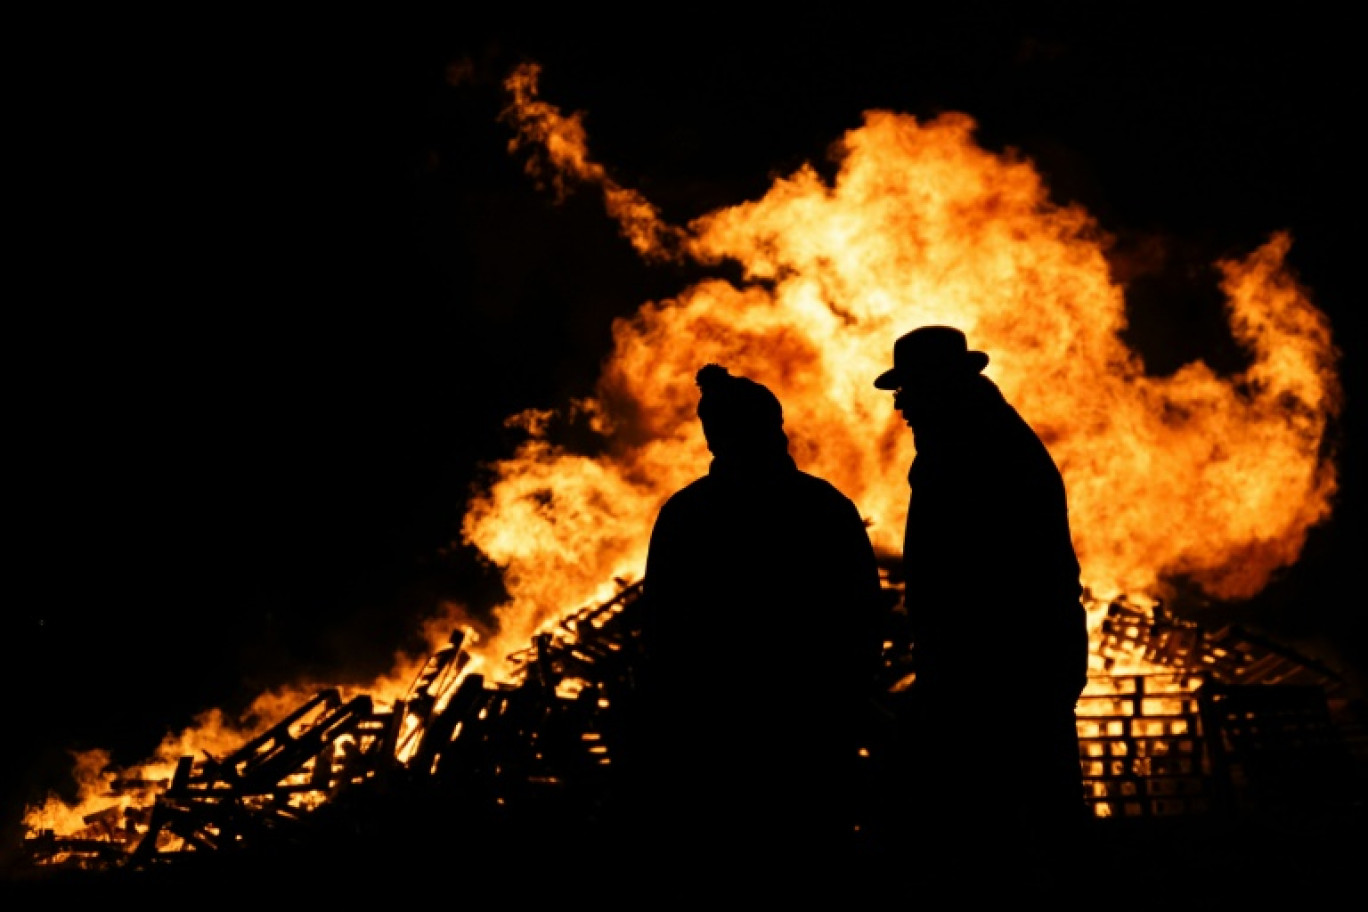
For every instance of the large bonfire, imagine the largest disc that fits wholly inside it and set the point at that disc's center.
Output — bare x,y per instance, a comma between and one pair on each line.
1212,479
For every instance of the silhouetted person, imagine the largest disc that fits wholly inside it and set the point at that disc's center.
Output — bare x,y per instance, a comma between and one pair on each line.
762,633
1000,644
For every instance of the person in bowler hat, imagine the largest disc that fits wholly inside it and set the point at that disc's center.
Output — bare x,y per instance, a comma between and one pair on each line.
999,636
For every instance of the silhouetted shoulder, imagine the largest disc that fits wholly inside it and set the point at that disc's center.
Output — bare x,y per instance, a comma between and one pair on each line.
697,491
821,488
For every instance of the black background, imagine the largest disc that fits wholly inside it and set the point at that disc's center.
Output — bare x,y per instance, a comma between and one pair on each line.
276,282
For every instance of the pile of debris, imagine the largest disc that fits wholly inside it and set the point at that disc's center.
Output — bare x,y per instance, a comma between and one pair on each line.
498,750
1228,722
1225,723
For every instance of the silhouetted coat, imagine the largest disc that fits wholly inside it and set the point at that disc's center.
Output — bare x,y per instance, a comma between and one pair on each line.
762,628
999,633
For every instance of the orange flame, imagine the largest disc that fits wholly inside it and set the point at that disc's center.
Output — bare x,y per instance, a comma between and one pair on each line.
1217,479
218,734
560,140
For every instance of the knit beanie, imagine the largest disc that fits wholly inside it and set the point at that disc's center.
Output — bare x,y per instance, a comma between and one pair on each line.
733,406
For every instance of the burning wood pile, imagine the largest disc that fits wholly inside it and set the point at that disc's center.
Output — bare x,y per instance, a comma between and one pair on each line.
498,749
1226,722
1223,723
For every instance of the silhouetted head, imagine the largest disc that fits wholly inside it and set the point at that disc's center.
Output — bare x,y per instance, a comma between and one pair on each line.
738,414
932,368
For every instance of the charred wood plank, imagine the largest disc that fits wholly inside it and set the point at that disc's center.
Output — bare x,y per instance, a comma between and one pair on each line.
290,753
469,698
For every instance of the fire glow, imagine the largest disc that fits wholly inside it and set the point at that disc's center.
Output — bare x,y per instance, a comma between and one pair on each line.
1215,479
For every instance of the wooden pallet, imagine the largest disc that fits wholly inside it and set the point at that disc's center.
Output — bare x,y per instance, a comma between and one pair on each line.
1142,748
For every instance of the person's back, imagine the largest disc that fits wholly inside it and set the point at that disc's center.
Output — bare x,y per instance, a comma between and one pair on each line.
761,638
748,577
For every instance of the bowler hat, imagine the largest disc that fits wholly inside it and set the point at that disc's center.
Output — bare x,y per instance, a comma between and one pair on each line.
928,351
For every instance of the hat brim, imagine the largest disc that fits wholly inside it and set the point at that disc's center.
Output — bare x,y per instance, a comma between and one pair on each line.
891,379
888,380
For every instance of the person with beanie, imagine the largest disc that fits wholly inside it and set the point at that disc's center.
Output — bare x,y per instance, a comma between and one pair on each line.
762,627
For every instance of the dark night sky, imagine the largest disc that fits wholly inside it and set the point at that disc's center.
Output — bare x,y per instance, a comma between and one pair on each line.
279,282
